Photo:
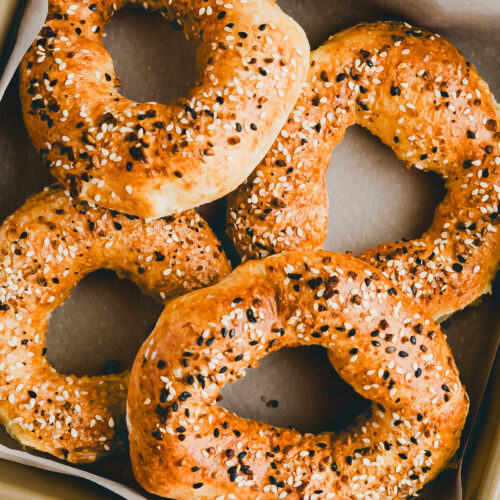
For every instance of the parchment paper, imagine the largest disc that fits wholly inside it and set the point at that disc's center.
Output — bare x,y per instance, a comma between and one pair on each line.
372,199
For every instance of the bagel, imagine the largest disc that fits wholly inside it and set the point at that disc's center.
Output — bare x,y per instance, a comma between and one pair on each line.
150,159
46,247
184,446
419,95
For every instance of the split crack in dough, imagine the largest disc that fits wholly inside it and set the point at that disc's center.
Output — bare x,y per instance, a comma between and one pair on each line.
419,95
151,159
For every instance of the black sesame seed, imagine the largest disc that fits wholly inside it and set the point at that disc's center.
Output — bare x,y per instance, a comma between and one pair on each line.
185,395
164,395
157,435
314,283
395,90
251,316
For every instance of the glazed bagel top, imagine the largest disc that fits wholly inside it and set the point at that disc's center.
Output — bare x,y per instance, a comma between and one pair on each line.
185,446
46,247
419,95
151,159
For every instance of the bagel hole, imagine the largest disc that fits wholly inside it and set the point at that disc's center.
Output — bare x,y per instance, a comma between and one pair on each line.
295,387
101,326
362,173
159,65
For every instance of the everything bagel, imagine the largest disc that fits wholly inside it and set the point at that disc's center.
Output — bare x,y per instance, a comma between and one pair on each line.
419,95
185,446
46,247
150,159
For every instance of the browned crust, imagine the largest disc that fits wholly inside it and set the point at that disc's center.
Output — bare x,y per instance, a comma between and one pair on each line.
152,159
46,247
417,93
379,340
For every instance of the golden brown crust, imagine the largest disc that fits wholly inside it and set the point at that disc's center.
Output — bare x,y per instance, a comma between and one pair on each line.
418,94
185,446
149,159
46,247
